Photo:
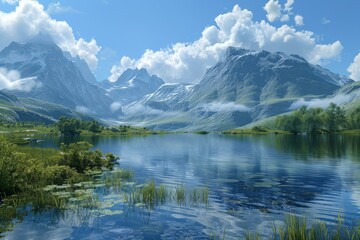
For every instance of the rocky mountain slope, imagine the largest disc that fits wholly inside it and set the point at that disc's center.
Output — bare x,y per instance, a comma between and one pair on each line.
58,79
244,86
131,86
13,109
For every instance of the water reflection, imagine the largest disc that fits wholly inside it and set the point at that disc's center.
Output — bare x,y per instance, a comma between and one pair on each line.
253,180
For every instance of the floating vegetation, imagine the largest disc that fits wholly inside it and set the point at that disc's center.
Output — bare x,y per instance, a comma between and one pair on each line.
116,179
115,189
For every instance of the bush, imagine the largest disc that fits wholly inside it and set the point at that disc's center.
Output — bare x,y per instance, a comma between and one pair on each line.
79,157
58,175
23,169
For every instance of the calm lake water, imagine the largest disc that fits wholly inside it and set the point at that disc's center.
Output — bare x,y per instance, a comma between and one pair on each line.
253,182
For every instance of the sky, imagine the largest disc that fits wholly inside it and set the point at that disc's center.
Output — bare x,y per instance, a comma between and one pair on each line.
179,39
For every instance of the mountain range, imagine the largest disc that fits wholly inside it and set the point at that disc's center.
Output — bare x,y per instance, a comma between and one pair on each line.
244,86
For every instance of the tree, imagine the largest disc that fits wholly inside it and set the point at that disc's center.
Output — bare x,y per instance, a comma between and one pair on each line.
335,118
354,118
313,120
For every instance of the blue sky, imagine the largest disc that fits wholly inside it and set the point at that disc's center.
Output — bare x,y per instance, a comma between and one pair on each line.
129,27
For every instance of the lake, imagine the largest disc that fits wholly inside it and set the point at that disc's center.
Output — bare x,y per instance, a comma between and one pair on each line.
253,182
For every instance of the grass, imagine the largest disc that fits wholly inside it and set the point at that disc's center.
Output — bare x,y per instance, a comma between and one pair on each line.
129,131
150,195
116,178
299,228
350,132
15,133
256,130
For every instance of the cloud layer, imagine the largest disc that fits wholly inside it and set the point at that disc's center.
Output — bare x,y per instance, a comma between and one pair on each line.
224,107
29,19
187,62
354,69
11,80
339,99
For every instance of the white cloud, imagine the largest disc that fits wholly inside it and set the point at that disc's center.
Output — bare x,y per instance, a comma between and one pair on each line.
273,10
115,106
285,18
339,99
11,80
116,71
354,69
325,21
224,107
138,108
141,109
288,5
325,51
12,2
187,62
29,19
299,20
83,109
56,7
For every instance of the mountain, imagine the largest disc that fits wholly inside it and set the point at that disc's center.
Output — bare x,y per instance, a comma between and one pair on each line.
58,80
244,86
15,109
255,77
132,85
82,67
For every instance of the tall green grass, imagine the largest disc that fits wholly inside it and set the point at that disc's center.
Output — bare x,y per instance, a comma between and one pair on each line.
299,228
150,195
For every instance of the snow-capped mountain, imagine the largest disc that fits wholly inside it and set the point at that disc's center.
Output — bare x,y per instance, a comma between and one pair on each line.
82,67
58,79
132,85
243,87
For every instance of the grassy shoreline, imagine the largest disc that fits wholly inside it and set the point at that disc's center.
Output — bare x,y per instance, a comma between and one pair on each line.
265,131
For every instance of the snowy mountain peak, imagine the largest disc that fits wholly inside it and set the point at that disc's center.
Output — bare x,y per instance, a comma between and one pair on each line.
137,75
132,85
234,51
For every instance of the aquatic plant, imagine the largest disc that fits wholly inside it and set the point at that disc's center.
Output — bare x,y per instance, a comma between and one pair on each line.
299,228
149,195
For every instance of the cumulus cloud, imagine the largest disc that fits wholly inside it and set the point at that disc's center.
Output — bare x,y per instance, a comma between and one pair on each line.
285,18
354,69
273,10
187,62
116,71
30,19
299,20
288,5
11,80
224,107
